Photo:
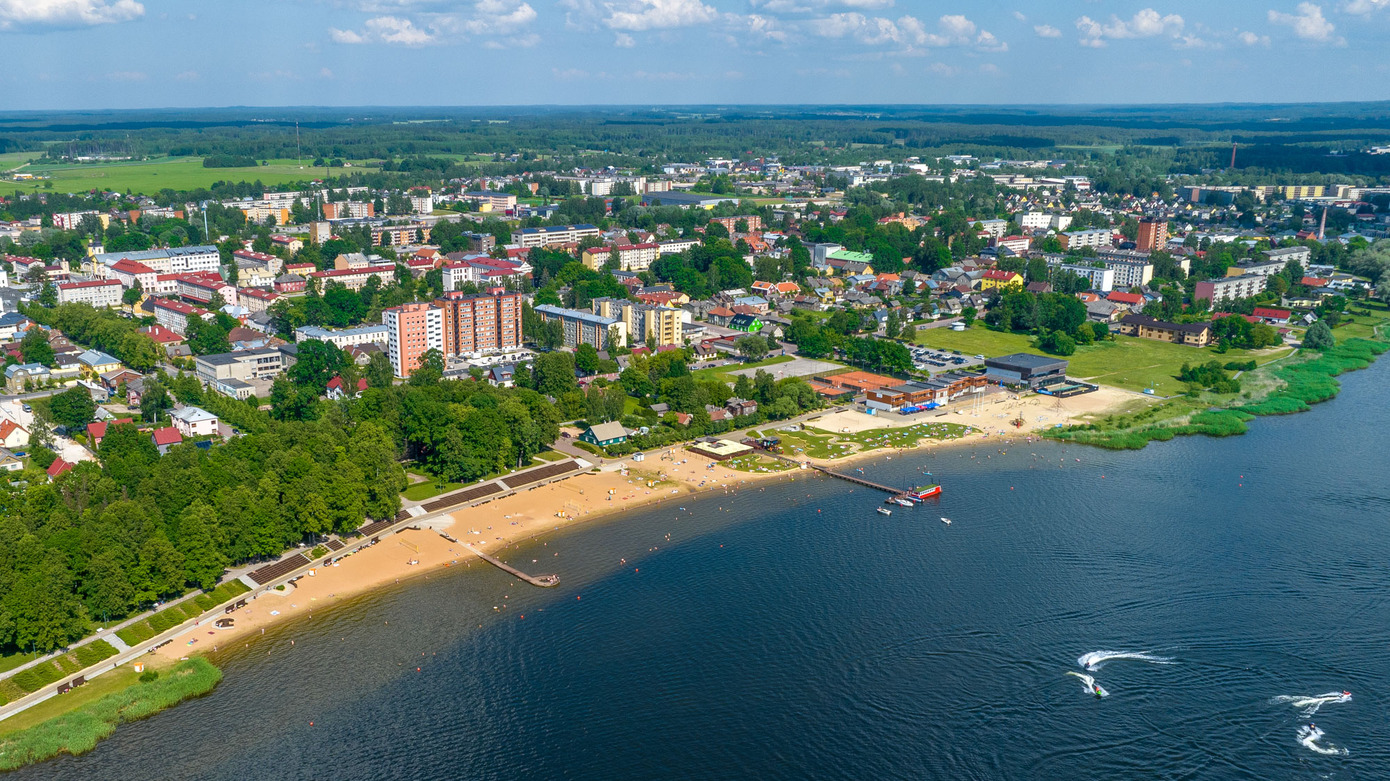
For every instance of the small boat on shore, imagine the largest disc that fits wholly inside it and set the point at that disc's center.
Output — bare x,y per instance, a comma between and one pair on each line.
923,492
884,511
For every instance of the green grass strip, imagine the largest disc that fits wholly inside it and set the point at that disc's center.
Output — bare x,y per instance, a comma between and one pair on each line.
79,731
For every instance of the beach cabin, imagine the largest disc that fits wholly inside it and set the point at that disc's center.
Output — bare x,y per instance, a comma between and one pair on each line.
605,434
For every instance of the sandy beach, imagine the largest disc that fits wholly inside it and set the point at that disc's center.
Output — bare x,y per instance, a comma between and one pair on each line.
664,475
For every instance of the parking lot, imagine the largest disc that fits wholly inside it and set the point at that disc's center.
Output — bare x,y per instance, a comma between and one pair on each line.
929,360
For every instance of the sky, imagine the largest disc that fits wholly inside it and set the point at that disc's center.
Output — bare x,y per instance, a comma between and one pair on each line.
100,54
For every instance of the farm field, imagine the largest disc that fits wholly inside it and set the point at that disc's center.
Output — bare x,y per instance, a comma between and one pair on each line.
151,176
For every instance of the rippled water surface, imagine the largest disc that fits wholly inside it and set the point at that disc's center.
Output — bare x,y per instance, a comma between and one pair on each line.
792,632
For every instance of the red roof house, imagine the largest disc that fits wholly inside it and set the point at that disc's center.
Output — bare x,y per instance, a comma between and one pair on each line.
58,468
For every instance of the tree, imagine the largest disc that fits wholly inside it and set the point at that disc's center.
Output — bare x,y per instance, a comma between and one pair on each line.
1057,343
203,562
751,347
139,352
1319,337
317,363
35,347
48,296
968,315
586,358
132,296
555,374
894,324
379,372
154,401
431,369
73,408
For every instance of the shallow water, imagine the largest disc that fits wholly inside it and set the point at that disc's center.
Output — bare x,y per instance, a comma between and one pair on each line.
784,635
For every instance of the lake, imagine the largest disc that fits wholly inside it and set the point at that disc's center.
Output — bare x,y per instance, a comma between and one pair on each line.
792,632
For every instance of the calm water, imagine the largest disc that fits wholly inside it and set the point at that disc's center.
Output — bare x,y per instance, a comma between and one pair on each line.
794,633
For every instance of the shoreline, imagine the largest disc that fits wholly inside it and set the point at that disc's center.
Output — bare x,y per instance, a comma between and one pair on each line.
603,495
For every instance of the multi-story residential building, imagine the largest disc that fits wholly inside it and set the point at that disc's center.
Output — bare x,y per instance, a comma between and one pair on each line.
175,260
1145,327
245,258
1265,268
349,210
400,235
200,289
73,220
1230,288
585,327
675,247
129,272
994,278
1032,221
354,278
753,221
484,243
254,299
1153,235
421,201
631,257
1287,255
995,228
662,325
1096,237
98,293
556,234
344,337
413,330
480,323
1097,277
494,201
484,271
174,315
1015,244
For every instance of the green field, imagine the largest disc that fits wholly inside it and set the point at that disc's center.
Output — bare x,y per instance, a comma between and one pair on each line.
151,176
1127,362
722,372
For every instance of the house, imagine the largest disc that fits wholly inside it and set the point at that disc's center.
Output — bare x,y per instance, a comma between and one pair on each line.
96,362
745,322
605,434
96,430
1145,327
13,435
9,461
737,406
194,422
994,278
58,468
165,438
1131,300
17,375
1039,287
114,380
337,388
719,315
1273,316
502,376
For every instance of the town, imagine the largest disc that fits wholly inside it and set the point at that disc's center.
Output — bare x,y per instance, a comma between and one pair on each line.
222,386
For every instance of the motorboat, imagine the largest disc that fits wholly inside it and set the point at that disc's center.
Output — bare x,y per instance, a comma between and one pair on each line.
884,511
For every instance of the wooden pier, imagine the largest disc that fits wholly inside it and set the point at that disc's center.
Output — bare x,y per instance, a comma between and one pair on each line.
860,481
544,581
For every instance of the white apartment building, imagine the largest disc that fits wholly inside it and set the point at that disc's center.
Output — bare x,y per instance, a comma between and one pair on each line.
345,337
1098,277
997,229
556,234
1285,255
98,293
1130,273
1096,237
1230,288
176,260
1043,221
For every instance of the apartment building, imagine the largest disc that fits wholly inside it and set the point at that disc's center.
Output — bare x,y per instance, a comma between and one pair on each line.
663,325
400,235
175,260
493,201
344,337
129,273
1098,237
175,315
753,221
412,330
349,209
231,373
585,327
675,247
1097,277
98,293
254,299
1034,221
480,323
1153,235
556,234
631,257
1286,255
1230,288
354,278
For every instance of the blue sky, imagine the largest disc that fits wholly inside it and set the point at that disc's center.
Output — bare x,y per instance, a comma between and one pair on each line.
75,54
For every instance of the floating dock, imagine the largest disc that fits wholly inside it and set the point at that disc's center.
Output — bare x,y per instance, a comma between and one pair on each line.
544,581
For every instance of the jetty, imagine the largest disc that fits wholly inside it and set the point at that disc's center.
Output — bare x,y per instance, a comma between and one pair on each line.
544,581
859,481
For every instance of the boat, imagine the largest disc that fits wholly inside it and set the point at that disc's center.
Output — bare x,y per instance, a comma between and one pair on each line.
923,492
885,511
901,501
946,520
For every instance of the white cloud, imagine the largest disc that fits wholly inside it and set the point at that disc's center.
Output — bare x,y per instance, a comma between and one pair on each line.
624,41
569,74
67,13
1363,7
325,73
1019,16
1148,23
413,24
1047,31
1252,39
641,15
187,76
906,31
345,36
1308,24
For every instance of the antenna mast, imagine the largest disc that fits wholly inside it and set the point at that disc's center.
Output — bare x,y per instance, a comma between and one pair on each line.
1233,155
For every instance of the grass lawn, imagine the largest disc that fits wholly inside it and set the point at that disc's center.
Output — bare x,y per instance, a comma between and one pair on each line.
551,455
1127,362
178,173
100,686
428,490
12,661
722,372
172,616
757,464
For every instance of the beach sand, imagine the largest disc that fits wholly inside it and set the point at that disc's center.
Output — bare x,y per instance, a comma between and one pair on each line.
664,475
